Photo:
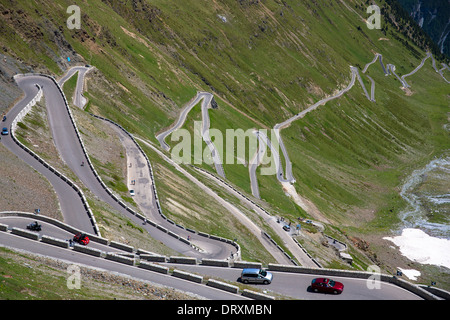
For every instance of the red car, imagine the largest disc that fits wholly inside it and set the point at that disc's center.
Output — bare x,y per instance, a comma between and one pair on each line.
327,286
81,238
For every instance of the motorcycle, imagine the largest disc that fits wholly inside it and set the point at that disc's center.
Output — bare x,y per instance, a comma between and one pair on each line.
34,226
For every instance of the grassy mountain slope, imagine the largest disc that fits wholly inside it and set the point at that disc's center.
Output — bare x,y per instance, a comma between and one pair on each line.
264,61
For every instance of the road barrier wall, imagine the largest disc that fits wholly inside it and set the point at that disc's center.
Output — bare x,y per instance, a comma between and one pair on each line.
256,295
153,258
187,276
22,114
121,246
153,267
98,239
25,233
91,251
324,271
117,258
222,286
412,288
55,242
141,251
215,263
173,234
436,291
246,264
183,260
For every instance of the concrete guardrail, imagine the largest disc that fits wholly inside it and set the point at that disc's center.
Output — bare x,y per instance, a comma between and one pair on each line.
120,259
256,295
187,276
153,267
91,251
183,260
55,242
222,286
246,264
215,263
121,246
153,258
25,233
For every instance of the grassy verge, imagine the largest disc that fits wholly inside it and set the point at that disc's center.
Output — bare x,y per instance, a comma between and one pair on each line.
25,276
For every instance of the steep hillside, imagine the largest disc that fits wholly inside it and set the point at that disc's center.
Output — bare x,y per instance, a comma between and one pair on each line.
433,17
265,61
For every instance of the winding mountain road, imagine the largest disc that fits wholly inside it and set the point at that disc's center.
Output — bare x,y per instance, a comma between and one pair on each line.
389,69
68,143
78,99
72,206
206,104
264,140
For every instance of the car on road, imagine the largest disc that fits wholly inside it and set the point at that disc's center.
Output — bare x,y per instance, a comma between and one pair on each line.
326,285
81,238
255,275
287,227
5,131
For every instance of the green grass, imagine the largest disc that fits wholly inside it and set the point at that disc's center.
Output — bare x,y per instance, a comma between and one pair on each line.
69,87
267,63
27,277
24,278
201,213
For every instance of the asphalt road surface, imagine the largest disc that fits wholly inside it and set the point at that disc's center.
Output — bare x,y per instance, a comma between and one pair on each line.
72,207
298,285
70,256
288,285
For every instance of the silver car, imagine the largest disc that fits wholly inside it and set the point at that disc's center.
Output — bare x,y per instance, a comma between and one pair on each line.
252,275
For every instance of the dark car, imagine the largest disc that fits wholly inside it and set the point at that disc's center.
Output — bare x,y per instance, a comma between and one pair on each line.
34,226
5,131
326,285
81,238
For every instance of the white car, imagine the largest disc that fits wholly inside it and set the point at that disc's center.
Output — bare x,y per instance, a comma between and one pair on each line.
132,193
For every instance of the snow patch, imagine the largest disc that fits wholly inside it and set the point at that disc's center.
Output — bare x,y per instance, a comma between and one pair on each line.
411,274
418,246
